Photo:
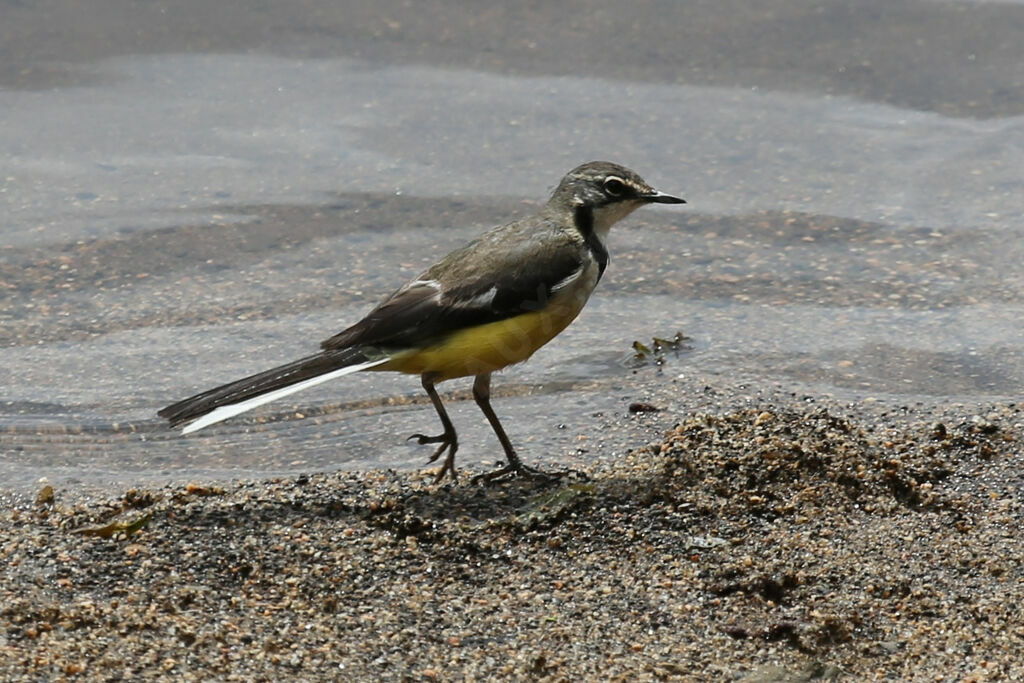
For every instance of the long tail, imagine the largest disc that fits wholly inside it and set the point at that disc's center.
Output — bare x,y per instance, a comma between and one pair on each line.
234,398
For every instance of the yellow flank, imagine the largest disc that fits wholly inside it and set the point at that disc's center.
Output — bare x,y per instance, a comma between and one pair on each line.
485,348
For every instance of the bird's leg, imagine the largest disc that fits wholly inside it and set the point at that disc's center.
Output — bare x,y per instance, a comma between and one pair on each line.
448,439
514,467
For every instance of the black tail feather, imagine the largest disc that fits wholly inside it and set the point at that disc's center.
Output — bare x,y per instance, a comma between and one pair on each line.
276,378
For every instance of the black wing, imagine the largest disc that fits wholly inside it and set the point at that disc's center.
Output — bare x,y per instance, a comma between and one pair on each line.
483,282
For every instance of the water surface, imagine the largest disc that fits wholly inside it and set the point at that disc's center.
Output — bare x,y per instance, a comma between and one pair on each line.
177,219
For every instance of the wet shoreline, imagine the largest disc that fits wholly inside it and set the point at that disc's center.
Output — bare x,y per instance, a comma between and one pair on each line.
785,540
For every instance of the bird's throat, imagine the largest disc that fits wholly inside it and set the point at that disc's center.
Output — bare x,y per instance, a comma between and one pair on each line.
583,217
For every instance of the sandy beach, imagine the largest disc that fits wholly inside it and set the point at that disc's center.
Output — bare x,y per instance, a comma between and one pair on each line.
785,541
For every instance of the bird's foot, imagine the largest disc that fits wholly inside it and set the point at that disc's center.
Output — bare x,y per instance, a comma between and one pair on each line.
447,442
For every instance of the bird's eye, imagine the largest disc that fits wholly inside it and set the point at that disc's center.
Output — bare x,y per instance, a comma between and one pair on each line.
614,187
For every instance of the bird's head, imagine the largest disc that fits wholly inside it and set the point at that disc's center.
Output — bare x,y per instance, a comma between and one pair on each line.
609,191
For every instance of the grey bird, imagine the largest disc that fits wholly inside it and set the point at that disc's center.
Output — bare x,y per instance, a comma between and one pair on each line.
486,305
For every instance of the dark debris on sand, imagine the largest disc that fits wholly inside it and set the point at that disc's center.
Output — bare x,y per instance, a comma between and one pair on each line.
764,544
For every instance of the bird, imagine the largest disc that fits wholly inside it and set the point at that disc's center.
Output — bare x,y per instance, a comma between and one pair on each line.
487,305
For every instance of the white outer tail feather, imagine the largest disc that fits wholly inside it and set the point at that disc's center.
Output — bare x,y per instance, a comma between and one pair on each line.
222,413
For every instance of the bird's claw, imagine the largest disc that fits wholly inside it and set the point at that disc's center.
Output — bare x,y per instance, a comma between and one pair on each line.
447,442
423,439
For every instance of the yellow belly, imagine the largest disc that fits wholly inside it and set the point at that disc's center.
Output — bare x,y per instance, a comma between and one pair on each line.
486,348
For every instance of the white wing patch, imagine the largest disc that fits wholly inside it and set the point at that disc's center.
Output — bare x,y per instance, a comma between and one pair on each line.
425,284
567,281
480,300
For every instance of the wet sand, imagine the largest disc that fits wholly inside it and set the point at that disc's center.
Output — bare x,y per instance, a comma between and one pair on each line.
780,538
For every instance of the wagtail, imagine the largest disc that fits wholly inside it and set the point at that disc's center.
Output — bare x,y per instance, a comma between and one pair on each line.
487,305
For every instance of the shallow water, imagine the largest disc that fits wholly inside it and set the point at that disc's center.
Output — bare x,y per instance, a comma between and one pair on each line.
175,220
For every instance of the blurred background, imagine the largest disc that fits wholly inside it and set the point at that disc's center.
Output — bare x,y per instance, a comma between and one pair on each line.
193,191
